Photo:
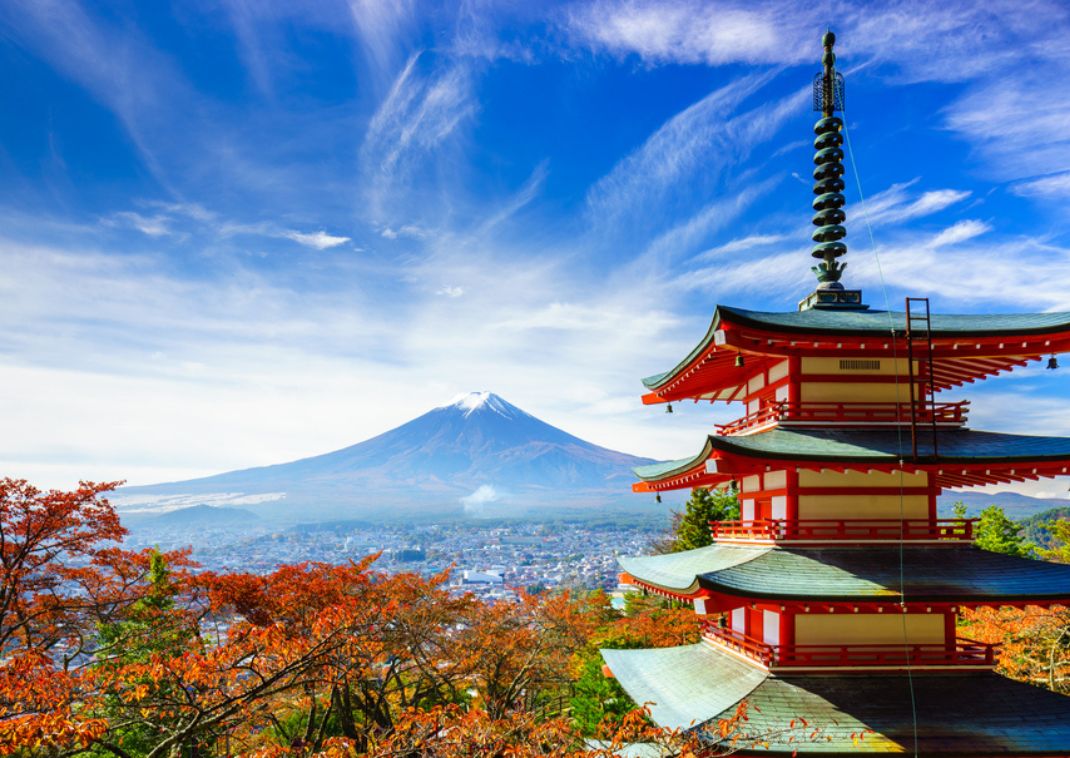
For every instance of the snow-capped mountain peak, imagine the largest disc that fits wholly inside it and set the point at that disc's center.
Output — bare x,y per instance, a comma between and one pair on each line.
471,402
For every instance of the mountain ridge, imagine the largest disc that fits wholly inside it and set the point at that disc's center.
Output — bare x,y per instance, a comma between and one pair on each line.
478,453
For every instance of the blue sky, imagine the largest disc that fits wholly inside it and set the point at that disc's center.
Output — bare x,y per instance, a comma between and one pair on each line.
243,232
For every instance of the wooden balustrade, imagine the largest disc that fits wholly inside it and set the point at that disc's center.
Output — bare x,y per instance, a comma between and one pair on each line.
846,414
961,652
836,530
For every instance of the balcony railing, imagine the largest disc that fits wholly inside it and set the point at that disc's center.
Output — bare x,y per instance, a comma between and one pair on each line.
836,530
846,414
962,652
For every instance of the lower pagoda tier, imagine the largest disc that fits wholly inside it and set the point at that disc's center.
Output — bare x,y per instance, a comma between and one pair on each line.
730,575
692,687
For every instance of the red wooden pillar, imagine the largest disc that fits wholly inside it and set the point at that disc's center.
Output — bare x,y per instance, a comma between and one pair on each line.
787,629
755,623
792,510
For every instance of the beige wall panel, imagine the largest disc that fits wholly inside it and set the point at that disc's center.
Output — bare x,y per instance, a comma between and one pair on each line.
888,367
778,371
863,506
751,483
862,479
868,392
776,480
868,628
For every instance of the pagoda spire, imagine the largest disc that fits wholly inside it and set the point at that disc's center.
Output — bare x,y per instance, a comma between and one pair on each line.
828,173
828,188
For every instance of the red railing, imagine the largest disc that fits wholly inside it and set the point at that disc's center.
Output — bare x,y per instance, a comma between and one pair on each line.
962,652
863,414
836,530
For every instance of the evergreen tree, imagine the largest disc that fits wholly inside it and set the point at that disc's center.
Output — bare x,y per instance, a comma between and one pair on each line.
691,529
1059,550
997,533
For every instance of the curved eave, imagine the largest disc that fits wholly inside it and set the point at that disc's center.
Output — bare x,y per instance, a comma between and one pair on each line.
678,573
685,472
694,686
960,446
658,380
959,575
964,575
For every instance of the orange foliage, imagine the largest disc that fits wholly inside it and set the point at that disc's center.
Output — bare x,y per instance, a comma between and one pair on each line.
1035,642
108,649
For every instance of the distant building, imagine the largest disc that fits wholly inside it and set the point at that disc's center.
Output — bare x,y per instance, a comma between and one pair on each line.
487,576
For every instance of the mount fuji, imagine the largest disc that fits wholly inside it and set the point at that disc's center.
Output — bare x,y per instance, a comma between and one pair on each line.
479,455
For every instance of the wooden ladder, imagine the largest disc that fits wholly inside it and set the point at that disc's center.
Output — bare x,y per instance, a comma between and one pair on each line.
919,336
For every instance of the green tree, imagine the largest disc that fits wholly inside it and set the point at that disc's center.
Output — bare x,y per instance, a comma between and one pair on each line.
1059,550
691,528
997,533
152,626
597,698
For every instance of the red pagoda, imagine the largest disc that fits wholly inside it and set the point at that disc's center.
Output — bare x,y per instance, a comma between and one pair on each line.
834,598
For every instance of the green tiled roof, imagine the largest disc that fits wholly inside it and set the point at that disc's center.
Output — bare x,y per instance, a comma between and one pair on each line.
971,714
854,574
679,571
660,470
875,322
686,684
848,322
955,445
877,446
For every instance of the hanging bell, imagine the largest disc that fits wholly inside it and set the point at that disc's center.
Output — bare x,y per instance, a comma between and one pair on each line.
658,497
739,360
1052,363
668,408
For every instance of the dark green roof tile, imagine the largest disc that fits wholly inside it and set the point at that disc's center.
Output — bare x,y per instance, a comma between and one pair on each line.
876,446
969,714
855,574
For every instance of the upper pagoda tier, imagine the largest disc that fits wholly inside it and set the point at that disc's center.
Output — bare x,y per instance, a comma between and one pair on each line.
965,347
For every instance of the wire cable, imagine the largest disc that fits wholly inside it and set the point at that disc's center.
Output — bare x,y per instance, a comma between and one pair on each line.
898,427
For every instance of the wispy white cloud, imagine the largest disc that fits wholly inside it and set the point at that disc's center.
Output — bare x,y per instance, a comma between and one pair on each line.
1056,186
383,29
742,245
686,156
681,32
419,114
959,232
896,204
451,291
320,240
154,226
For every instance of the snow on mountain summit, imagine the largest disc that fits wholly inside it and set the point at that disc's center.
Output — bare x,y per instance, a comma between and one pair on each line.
470,402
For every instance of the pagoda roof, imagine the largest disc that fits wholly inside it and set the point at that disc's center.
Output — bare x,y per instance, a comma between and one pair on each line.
693,686
890,445
960,574
710,364
844,448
